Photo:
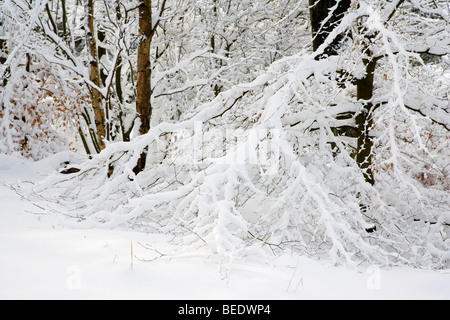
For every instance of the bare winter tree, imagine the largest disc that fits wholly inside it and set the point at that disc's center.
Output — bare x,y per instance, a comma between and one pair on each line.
326,21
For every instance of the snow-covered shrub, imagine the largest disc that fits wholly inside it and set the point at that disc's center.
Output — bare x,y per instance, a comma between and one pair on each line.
40,111
40,102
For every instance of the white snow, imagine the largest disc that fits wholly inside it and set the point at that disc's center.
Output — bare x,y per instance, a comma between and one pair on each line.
42,258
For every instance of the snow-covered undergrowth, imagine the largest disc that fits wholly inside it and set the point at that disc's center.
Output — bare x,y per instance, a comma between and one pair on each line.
44,257
263,164
260,166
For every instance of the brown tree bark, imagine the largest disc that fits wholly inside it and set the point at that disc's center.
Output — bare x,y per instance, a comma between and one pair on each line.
147,28
364,120
94,76
144,74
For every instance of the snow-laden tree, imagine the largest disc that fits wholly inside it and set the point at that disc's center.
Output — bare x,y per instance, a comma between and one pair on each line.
97,42
270,160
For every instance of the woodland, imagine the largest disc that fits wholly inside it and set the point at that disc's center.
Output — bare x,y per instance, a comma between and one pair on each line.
318,126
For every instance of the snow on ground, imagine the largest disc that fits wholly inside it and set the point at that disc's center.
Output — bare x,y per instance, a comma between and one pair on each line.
40,258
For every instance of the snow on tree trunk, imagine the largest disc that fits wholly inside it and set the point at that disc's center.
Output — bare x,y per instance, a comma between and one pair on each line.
94,75
144,89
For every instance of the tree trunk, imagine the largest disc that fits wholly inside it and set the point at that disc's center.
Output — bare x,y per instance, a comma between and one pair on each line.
319,12
214,46
64,20
364,120
144,89
94,77
119,90
3,54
